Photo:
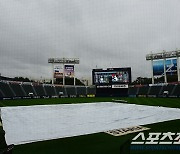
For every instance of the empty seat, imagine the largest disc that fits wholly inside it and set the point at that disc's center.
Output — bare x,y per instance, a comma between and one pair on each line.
28,89
81,90
176,91
71,90
6,89
168,88
91,90
39,90
17,89
60,90
50,90
1,94
155,90
132,90
143,90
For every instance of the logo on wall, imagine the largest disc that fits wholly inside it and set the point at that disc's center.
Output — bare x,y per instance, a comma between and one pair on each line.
69,71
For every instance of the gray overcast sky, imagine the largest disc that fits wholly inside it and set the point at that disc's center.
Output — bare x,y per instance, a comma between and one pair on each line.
106,33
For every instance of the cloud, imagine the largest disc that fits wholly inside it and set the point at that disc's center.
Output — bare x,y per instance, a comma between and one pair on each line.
103,33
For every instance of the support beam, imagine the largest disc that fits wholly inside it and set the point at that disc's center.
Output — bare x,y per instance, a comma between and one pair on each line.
74,77
152,75
178,69
52,73
165,76
63,75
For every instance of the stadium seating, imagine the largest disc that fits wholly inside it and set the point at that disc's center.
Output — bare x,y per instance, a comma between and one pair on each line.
143,90
71,90
91,90
81,90
133,91
60,90
50,90
28,89
16,87
1,94
11,89
6,89
155,90
168,88
176,91
39,90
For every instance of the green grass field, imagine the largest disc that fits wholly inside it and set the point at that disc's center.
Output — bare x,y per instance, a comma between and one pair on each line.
100,143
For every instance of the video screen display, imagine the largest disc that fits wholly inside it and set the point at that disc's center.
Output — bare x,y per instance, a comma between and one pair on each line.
112,76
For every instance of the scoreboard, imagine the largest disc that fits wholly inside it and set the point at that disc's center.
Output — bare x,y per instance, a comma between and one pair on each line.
112,82
111,76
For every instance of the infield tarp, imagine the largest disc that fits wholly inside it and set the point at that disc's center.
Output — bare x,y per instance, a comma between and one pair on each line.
26,124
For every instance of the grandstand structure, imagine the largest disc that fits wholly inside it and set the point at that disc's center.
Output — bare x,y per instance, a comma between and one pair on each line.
18,90
154,90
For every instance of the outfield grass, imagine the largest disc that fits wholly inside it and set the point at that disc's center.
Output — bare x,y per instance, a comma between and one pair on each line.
99,143
166,102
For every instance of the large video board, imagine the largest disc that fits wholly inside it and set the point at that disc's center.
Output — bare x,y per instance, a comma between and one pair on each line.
111,76
170,64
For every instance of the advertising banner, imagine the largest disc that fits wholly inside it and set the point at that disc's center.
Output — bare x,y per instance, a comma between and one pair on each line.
58,72
171,67
69,71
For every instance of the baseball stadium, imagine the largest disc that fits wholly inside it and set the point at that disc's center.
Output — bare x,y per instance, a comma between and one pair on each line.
101,118
89,77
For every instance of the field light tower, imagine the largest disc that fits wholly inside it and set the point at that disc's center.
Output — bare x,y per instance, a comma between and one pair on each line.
63,61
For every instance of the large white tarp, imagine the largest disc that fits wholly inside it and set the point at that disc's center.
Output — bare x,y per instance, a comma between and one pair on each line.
26,124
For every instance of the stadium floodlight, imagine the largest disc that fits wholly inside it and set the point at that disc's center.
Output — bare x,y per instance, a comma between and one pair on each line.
164,55
63,61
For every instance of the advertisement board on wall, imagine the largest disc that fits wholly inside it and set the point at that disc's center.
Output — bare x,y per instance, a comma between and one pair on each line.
69,71
170,64
58,71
